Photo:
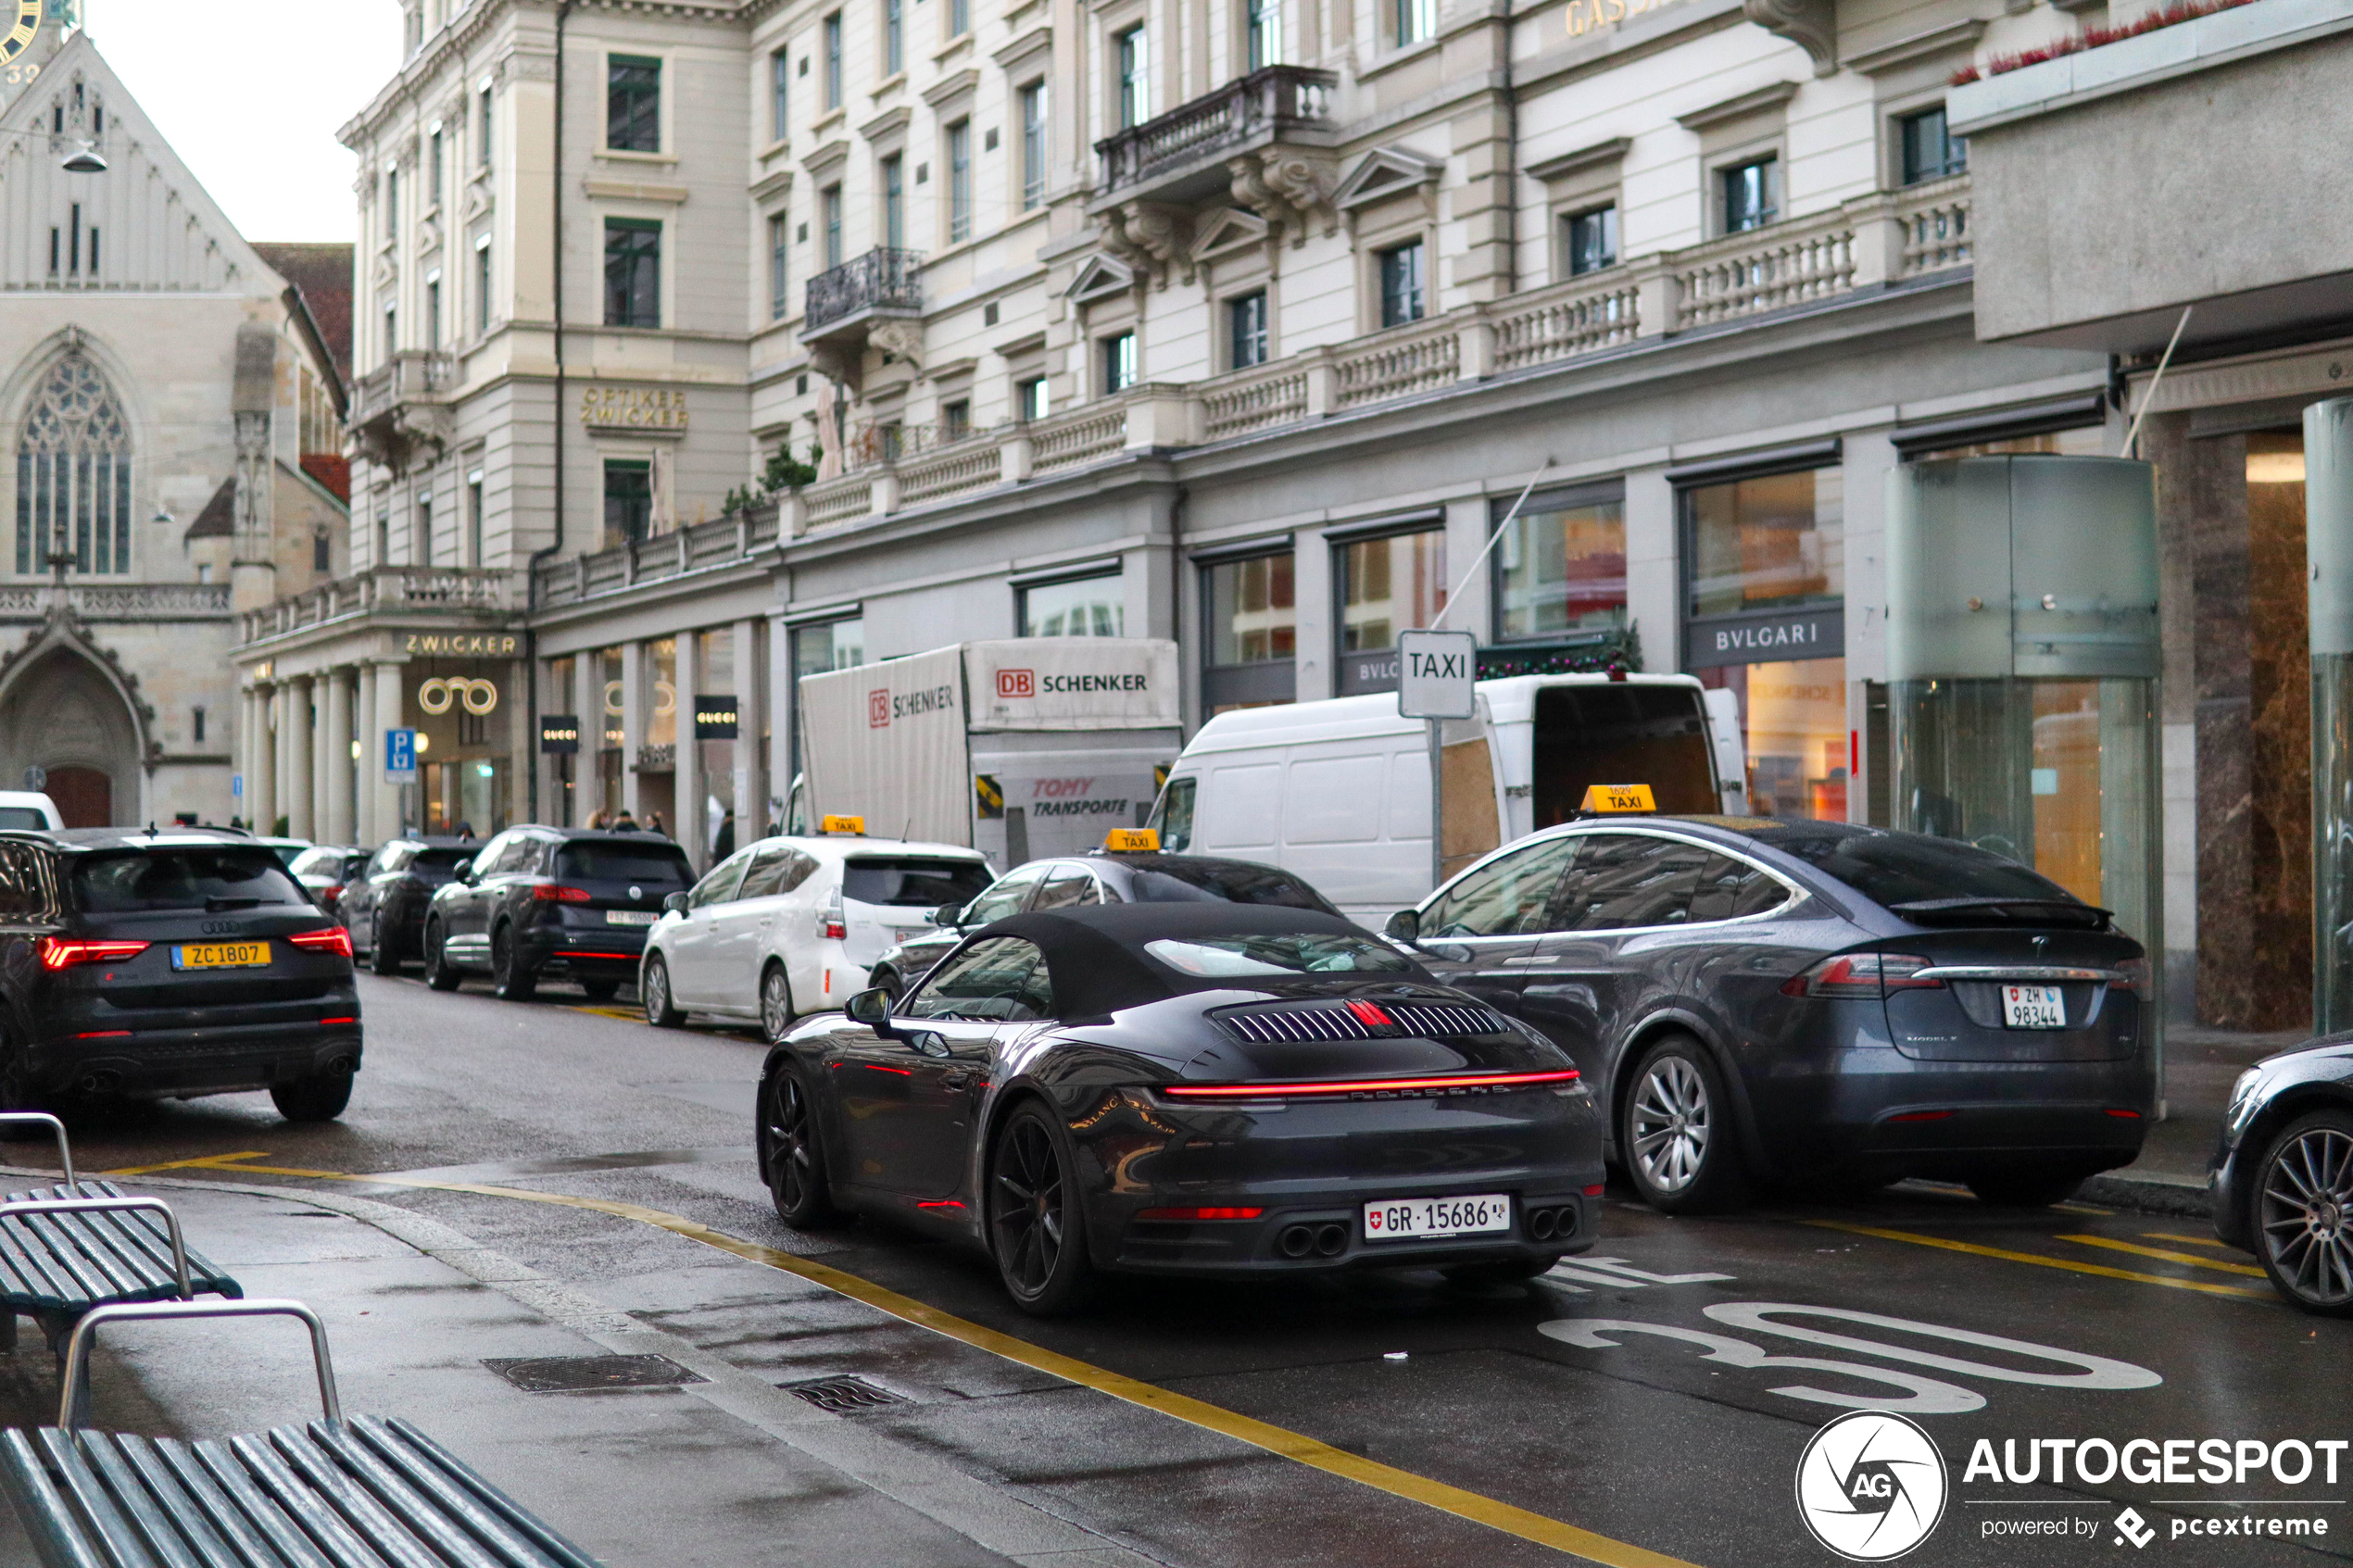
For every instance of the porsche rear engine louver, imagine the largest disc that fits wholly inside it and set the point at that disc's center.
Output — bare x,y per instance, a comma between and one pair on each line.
1363,1020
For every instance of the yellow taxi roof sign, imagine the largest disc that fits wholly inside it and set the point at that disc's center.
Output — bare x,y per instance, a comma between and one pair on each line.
1132,841
843,824
1607,800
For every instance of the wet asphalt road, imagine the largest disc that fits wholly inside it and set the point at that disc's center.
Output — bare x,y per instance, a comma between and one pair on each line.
1658,1394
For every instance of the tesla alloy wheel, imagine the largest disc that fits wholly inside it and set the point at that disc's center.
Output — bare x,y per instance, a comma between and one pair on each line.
2304,1213
1675,1135
796,1182
1035,1226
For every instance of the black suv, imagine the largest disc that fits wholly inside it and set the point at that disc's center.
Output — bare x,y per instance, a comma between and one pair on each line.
384,903
168,965
541,902
1099,877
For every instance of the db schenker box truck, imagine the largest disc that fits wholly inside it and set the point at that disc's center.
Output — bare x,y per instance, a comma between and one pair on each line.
1020,748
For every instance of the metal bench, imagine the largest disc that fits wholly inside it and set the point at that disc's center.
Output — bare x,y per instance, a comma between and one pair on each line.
66,1249
342,1492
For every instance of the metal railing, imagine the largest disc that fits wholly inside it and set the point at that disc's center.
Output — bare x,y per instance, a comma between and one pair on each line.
882,279
1272,99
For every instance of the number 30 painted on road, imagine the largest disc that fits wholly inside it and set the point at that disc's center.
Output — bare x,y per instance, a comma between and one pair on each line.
1928,1396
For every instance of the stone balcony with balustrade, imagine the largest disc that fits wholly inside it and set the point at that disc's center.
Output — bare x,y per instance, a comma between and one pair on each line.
1890,238
403,404
441,593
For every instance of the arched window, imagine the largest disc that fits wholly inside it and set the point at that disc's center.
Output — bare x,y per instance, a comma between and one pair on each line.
73,473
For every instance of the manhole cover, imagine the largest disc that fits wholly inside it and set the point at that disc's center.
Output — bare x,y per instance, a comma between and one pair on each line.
842,1395
559,1375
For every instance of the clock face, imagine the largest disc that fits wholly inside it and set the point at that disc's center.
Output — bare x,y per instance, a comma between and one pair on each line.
22,20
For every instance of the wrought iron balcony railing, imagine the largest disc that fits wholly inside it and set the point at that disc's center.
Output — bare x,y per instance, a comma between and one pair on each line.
1274,99
882,278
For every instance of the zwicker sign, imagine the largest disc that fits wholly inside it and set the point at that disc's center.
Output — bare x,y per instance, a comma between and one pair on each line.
632,408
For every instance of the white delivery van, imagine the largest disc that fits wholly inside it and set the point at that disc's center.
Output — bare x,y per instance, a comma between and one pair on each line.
1337,792
1020,748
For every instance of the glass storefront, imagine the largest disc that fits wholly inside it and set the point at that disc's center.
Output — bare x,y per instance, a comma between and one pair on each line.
1383,586
1252,636
608,664
1091,607
1561,565
1765,607
462,711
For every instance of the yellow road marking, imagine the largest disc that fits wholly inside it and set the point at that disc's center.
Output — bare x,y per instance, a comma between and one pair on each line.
628,1015
2193,1240
209,1160
1279,1441
2192,1258
2041,1262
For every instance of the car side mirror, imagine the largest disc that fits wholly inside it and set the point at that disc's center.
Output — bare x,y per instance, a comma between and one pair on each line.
1404,926
674,903
949,915
466,874
871,1008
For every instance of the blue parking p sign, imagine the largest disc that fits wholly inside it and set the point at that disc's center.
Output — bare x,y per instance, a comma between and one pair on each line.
400,757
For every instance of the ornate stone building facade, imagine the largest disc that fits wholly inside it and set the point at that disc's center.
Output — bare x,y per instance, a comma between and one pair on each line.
170,438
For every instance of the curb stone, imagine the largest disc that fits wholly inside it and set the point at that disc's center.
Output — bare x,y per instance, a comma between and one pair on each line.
1011,1522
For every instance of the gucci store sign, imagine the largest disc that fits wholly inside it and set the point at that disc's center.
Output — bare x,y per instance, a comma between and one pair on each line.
1764,639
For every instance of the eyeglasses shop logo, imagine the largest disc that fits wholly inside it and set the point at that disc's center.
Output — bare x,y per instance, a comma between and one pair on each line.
1871,1486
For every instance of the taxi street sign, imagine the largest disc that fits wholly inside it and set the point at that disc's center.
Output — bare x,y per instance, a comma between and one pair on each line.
1604,799
1132,841
400,757
1436,676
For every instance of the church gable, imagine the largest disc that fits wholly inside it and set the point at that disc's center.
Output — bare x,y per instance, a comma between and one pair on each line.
143,224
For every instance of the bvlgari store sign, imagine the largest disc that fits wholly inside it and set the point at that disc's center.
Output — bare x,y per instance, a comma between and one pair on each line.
1766,638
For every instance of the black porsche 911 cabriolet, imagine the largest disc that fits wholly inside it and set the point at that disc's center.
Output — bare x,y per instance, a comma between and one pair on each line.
1186,1088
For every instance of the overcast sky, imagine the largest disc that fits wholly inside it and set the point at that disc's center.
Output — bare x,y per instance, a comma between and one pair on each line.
251,96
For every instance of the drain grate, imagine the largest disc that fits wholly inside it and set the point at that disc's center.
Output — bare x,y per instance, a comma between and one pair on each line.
564,1374
842,1395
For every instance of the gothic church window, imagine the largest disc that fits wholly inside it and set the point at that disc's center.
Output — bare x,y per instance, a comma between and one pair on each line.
73,473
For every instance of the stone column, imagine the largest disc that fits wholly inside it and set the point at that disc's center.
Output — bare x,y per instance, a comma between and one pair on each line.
249,749
281,777
635,702
751,784
371,762
340,827
301,778
688,788
388,713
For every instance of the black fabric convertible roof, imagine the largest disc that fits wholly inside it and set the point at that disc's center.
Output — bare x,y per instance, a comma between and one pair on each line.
1094,953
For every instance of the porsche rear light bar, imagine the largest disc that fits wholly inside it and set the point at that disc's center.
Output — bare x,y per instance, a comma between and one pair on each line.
1375,1088
1190,1215
333,939
64,952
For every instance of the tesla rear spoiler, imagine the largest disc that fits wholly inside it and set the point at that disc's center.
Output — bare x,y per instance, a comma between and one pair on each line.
2010,912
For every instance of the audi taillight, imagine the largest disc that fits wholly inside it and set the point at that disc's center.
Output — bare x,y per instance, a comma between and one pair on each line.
64,952
557,893
1870,975
332,939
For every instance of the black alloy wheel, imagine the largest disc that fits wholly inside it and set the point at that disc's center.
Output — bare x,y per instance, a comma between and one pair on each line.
382,959
660,1012
2028,1184
775,1003
320,1098
511,978
2304,1213
440,973
796,1182
1035,1228
1676,1134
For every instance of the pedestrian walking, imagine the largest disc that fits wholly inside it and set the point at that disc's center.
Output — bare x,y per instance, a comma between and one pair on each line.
624,822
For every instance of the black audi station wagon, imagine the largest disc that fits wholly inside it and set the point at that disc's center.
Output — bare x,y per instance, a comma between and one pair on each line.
168,965
1758,999
1204,1087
